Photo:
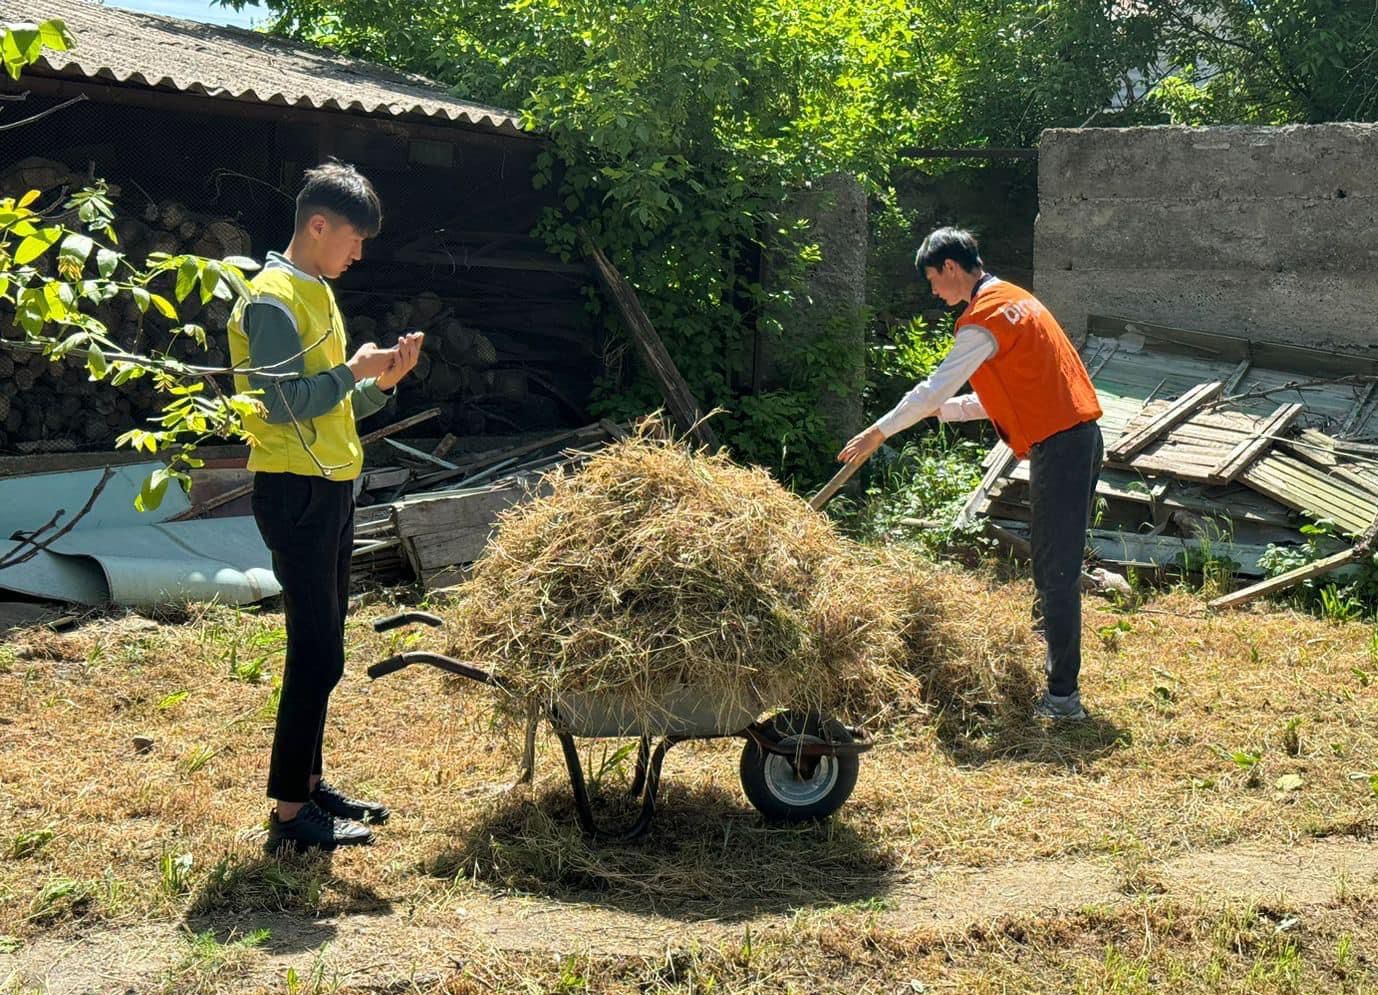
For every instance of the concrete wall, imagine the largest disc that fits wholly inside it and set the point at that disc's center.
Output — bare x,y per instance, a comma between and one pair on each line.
1267,233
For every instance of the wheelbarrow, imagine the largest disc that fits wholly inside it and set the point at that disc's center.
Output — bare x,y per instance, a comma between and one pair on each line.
795,766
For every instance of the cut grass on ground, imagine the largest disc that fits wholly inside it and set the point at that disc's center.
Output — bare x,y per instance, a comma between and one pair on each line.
1207,730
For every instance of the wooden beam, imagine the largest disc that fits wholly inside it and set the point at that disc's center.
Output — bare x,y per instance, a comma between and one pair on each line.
398,426
1249,450
1283,581
1360,412
1292,578
1001,460
1236,375
684,407
1179,411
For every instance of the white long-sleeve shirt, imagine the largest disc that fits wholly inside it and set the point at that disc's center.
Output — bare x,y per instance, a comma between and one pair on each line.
971,347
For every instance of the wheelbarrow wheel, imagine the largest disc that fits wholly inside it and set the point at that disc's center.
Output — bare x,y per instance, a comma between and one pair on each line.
797,789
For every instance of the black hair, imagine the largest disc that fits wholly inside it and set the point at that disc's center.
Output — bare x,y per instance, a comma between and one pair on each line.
949,243
342,190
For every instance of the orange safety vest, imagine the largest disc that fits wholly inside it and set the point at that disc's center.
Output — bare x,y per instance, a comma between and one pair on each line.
1035,385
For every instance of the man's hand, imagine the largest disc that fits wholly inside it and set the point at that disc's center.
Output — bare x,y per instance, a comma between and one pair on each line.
370,361
861,446
407,352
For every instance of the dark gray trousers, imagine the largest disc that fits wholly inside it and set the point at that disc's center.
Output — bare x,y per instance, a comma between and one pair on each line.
1062,487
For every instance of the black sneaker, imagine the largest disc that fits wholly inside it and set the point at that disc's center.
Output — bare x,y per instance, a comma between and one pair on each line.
338,804
314,829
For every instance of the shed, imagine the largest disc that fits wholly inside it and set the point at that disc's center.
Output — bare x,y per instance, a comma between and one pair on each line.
204,131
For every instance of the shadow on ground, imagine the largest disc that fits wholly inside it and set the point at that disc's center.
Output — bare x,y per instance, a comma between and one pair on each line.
287,896
708,855
1069,746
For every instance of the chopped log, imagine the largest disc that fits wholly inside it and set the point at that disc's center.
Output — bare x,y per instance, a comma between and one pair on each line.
171,214
220,239
683,406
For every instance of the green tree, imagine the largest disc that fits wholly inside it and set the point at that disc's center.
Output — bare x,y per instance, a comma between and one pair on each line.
58,264
678,132
1268,61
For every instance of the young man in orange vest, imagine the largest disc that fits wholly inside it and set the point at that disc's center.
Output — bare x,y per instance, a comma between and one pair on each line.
1031,384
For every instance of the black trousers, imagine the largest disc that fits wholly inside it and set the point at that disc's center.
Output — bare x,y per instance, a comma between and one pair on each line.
308,525
1063,470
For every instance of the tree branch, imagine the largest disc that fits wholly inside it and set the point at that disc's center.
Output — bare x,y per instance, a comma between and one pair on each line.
42,114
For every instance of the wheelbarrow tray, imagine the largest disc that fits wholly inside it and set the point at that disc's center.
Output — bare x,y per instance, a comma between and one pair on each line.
682,711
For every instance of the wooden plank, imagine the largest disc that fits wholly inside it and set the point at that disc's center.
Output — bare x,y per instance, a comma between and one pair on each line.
481,460
420,454
684,407
1304,573
1236,375
439,551
398,426
1360,412
1181,409
1284,581
1160,551
454,510
14,466
1003,460
1251,449
1364,478
1309,490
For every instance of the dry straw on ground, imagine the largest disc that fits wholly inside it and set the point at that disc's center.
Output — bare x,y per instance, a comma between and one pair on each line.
656,567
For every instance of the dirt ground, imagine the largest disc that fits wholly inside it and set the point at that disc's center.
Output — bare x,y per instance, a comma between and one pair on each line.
1209,830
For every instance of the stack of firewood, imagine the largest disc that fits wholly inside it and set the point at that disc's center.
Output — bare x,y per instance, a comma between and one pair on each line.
54,406
456,371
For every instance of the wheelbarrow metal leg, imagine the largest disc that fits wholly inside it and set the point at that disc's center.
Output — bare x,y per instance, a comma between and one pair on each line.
643,756
584,811
577,785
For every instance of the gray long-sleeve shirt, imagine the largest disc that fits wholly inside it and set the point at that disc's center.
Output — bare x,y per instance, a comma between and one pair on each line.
275,347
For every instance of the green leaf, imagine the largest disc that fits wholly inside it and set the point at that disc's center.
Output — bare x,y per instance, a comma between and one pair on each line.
36,244
77,248
172,700
241,262
152,491
163,306
210,280
106,261
186,277
54,34
141,297
95,362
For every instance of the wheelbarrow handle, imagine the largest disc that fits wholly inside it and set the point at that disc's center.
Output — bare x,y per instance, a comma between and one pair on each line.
406,618
446,663
389,666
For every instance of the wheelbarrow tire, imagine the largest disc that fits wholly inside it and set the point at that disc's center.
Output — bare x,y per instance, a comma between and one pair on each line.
771,781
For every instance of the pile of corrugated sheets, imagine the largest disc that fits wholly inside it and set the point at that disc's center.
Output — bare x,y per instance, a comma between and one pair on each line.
1216,448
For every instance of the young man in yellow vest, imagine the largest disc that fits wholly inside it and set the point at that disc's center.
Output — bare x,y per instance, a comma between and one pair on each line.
1031,384
305,456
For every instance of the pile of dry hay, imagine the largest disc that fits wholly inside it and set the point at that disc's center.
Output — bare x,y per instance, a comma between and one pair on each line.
654,566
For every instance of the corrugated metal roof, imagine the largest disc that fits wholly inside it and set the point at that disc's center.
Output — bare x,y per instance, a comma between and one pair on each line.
235,64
